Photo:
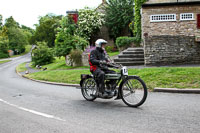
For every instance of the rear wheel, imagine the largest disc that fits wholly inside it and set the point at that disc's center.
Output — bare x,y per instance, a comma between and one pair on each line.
133,91
88,89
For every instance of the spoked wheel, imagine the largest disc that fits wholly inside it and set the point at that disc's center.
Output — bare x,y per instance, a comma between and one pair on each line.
133,91
88,89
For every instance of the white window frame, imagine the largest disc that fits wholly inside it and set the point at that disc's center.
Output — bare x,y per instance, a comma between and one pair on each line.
162,17
185,19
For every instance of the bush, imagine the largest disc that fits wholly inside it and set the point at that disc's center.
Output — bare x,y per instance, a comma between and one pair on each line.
3,55
125,42
76,57
42,54
111,49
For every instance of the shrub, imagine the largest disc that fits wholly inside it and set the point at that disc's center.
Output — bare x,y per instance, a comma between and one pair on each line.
111,49
125,42
76,57
3,55
42,54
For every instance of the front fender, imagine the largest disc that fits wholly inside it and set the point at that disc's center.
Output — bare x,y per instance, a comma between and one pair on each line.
130,76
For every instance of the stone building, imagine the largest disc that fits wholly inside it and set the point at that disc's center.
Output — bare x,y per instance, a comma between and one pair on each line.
171,31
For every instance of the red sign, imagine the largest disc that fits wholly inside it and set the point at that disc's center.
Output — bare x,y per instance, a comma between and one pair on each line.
198,21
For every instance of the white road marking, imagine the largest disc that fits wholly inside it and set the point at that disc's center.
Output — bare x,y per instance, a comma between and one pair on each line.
32,111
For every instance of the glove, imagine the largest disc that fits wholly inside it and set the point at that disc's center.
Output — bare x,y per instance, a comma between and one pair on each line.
103,62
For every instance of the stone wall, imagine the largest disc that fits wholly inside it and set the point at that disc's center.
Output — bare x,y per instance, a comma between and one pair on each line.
170,42
178,27
165,50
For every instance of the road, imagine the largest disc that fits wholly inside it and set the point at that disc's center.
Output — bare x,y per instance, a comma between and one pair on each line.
31,107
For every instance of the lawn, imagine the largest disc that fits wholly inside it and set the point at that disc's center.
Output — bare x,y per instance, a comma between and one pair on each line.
4,61
165,77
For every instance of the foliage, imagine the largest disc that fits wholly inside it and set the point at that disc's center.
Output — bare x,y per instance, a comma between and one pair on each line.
17,40
3,47
10,22
65,39
16,35
42,54
76,57
1,23
126,42
89,23
46,30
137,19
110,49
119,13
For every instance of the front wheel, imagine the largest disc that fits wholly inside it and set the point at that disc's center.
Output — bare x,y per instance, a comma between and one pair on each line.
88,89
133,91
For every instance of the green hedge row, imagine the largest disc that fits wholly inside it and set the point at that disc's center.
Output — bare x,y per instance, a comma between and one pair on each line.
127,42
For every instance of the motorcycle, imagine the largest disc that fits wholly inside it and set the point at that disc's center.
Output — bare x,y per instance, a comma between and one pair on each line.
130,88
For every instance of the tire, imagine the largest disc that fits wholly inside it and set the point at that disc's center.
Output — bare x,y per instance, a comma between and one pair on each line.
133,91
89,87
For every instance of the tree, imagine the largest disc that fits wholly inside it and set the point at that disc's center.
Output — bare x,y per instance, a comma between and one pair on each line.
46,30
17,40
10,22
89,23
3,47
66,40
119,14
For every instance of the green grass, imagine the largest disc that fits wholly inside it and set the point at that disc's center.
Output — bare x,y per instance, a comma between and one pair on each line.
4,61
21,67
169,77
61,76
59,64
113,53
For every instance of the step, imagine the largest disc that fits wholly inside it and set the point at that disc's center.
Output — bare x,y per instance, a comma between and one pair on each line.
132,52
135,49
135,63
128,59
131,56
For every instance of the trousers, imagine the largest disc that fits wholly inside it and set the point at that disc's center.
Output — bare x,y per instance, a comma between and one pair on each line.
100,77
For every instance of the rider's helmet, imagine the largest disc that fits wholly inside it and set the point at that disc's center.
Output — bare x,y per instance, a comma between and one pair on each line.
99,42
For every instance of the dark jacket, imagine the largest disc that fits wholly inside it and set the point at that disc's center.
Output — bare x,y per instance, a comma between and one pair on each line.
95,57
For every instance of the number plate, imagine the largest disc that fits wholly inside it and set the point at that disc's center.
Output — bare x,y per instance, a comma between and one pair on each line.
124,71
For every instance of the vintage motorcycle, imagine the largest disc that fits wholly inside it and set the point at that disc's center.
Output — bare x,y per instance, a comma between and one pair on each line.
131,89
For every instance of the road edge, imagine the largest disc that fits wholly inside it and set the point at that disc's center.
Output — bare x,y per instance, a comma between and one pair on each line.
176,90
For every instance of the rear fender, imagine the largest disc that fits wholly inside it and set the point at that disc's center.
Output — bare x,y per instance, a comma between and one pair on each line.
83,77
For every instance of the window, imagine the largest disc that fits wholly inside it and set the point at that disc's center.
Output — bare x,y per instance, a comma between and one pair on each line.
162,17
186,16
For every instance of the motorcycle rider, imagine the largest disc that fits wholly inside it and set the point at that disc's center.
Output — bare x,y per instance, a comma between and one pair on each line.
98,66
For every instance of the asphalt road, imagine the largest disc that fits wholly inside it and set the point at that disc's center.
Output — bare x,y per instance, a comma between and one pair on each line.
31,107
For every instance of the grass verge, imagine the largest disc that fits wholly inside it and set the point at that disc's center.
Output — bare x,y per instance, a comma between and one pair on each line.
4,61
154,77
21,67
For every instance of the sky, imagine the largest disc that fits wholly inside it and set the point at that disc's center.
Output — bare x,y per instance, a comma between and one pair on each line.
27,12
